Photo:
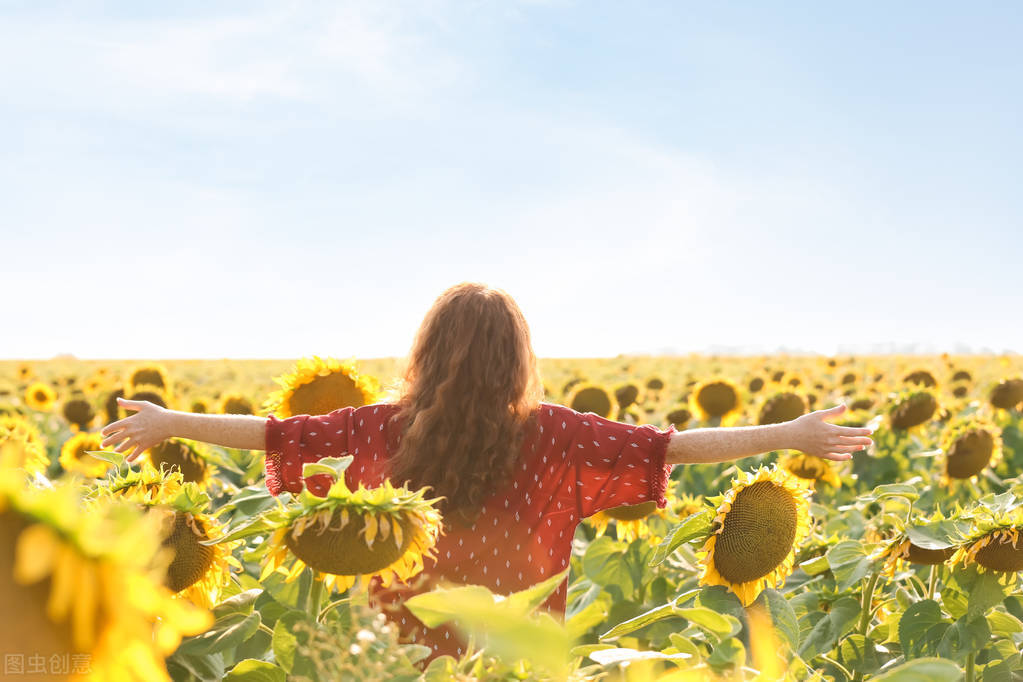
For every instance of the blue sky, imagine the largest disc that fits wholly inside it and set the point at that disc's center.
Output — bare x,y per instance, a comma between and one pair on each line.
282,179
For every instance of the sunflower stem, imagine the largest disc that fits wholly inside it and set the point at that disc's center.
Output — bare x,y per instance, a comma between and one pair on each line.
329,607
970,675
868,596
932,581
315,594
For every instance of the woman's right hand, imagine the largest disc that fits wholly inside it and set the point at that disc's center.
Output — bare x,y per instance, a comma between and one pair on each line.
149,426
813,435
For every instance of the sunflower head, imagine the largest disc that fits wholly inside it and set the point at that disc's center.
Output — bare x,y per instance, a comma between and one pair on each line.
994,543
79,413
626,395
716,399
755,384
1007,393
235,403
679,416
74,455
970,444
912,409
761,521
920,377
593,398
811,468
351,535
320,386
149,393
199,406
40,396
149,375
782,407
182,455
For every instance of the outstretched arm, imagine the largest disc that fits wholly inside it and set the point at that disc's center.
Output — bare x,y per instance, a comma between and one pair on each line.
810,434
152,424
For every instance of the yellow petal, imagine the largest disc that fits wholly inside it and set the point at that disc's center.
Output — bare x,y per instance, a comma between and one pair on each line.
384,527
83,614
63,584
34,554
371,529
398,534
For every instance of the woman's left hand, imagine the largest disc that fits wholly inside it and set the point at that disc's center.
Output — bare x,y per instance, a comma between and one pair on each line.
813,435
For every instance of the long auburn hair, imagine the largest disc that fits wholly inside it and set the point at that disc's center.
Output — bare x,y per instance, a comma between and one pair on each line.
470,390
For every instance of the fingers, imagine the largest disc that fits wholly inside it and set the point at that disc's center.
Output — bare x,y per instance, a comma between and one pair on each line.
836,456
855,440
113,427
114,438
139,449
832,412
133,405
123,447
851,431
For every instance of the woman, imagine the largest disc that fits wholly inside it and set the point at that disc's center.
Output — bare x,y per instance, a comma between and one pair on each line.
516,475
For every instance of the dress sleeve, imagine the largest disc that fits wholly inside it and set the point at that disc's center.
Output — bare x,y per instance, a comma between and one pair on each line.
301,439
616,463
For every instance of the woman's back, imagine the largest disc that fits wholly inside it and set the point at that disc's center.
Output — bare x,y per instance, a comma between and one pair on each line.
571,466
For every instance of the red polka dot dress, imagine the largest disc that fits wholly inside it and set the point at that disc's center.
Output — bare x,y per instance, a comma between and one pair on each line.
572,465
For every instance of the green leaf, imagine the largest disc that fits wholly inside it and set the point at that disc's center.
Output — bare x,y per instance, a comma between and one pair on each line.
251,670
604,563
641,621
693,526
815,566
921,628
526,601
226,632
332,466
782,615
849,562
239,603
891,489
591,615
115,458
717,624
859,654
922,670
720,599
828,630
249,501
985,593
617,656
964,637
937,534
284,642
261,525
727,652
1003,624
440,606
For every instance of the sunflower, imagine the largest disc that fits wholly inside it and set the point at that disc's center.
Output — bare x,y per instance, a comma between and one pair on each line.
782,407
149,393
679,416
74,455
920,377
197,572
82,582
761,521
25,371
182,455
79,413
811,468
1006,394
199,406
970,444
236,403
349,536
931,549
626,395
716,399
912,409
994,542
40,397
111,407
632,520
320,386
150,375
23,433
593,398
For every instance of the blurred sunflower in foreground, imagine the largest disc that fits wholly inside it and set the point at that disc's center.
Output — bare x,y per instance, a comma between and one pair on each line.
84,582
320,386
761,521
23,433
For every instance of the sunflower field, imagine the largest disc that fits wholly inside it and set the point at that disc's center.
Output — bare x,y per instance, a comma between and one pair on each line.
902,563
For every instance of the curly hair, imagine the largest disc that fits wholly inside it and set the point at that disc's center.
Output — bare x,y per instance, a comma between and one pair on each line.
471,388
